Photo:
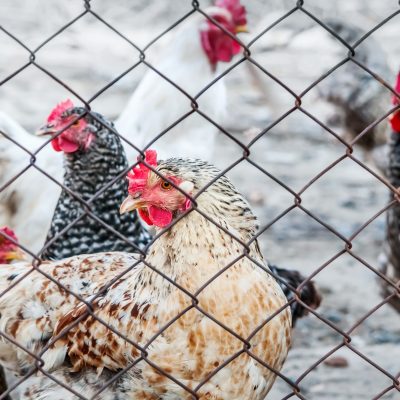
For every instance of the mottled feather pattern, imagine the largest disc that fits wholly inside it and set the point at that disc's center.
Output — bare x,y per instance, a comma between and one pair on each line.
30,310
141,303
86,173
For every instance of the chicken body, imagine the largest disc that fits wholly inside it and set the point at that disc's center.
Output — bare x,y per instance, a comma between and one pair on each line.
142,303
156,103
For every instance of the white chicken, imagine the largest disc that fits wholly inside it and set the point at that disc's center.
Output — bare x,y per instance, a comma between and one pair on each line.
29,214
190,61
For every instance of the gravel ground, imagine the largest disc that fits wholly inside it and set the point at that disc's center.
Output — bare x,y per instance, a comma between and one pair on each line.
88,55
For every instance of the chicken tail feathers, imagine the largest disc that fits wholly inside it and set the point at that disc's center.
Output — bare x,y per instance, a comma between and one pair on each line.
309,294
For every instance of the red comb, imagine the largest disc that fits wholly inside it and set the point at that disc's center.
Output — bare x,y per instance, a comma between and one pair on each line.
9,232
395,99
59,109
137,177
237,11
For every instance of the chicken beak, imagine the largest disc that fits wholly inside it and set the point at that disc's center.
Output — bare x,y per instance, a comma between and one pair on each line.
130,204
47,129
16,255
241,29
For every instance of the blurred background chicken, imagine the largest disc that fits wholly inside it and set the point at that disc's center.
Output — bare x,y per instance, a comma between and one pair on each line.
28,215
190,60
359,97
139,304
391,257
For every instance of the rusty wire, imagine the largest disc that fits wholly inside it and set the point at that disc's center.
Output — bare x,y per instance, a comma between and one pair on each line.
296,391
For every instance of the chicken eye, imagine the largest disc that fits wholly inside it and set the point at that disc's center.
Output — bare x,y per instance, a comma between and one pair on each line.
76,123
166,185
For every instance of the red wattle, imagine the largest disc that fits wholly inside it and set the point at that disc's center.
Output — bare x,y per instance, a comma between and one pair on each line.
159,216
224,49
67,145
145,216
55,145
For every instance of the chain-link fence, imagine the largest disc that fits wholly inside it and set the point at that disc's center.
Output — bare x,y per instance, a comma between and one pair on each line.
294,382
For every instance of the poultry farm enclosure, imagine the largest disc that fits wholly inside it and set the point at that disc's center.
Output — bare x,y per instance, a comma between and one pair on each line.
320,197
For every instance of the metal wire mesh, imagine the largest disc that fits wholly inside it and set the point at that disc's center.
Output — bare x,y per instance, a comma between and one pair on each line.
347,241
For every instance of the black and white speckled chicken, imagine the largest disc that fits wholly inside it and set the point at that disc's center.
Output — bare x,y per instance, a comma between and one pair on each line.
93,157
391,257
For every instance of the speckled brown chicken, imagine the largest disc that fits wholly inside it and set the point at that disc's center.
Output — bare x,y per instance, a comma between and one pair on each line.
142,302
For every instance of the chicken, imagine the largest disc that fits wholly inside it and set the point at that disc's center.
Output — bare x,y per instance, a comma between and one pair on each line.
201,254
93,157
360,98
16,208
189,61
391,259
9,252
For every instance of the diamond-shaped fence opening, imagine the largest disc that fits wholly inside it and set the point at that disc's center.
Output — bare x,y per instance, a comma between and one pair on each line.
191,310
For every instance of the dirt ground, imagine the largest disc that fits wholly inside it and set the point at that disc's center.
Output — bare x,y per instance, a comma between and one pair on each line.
88,56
